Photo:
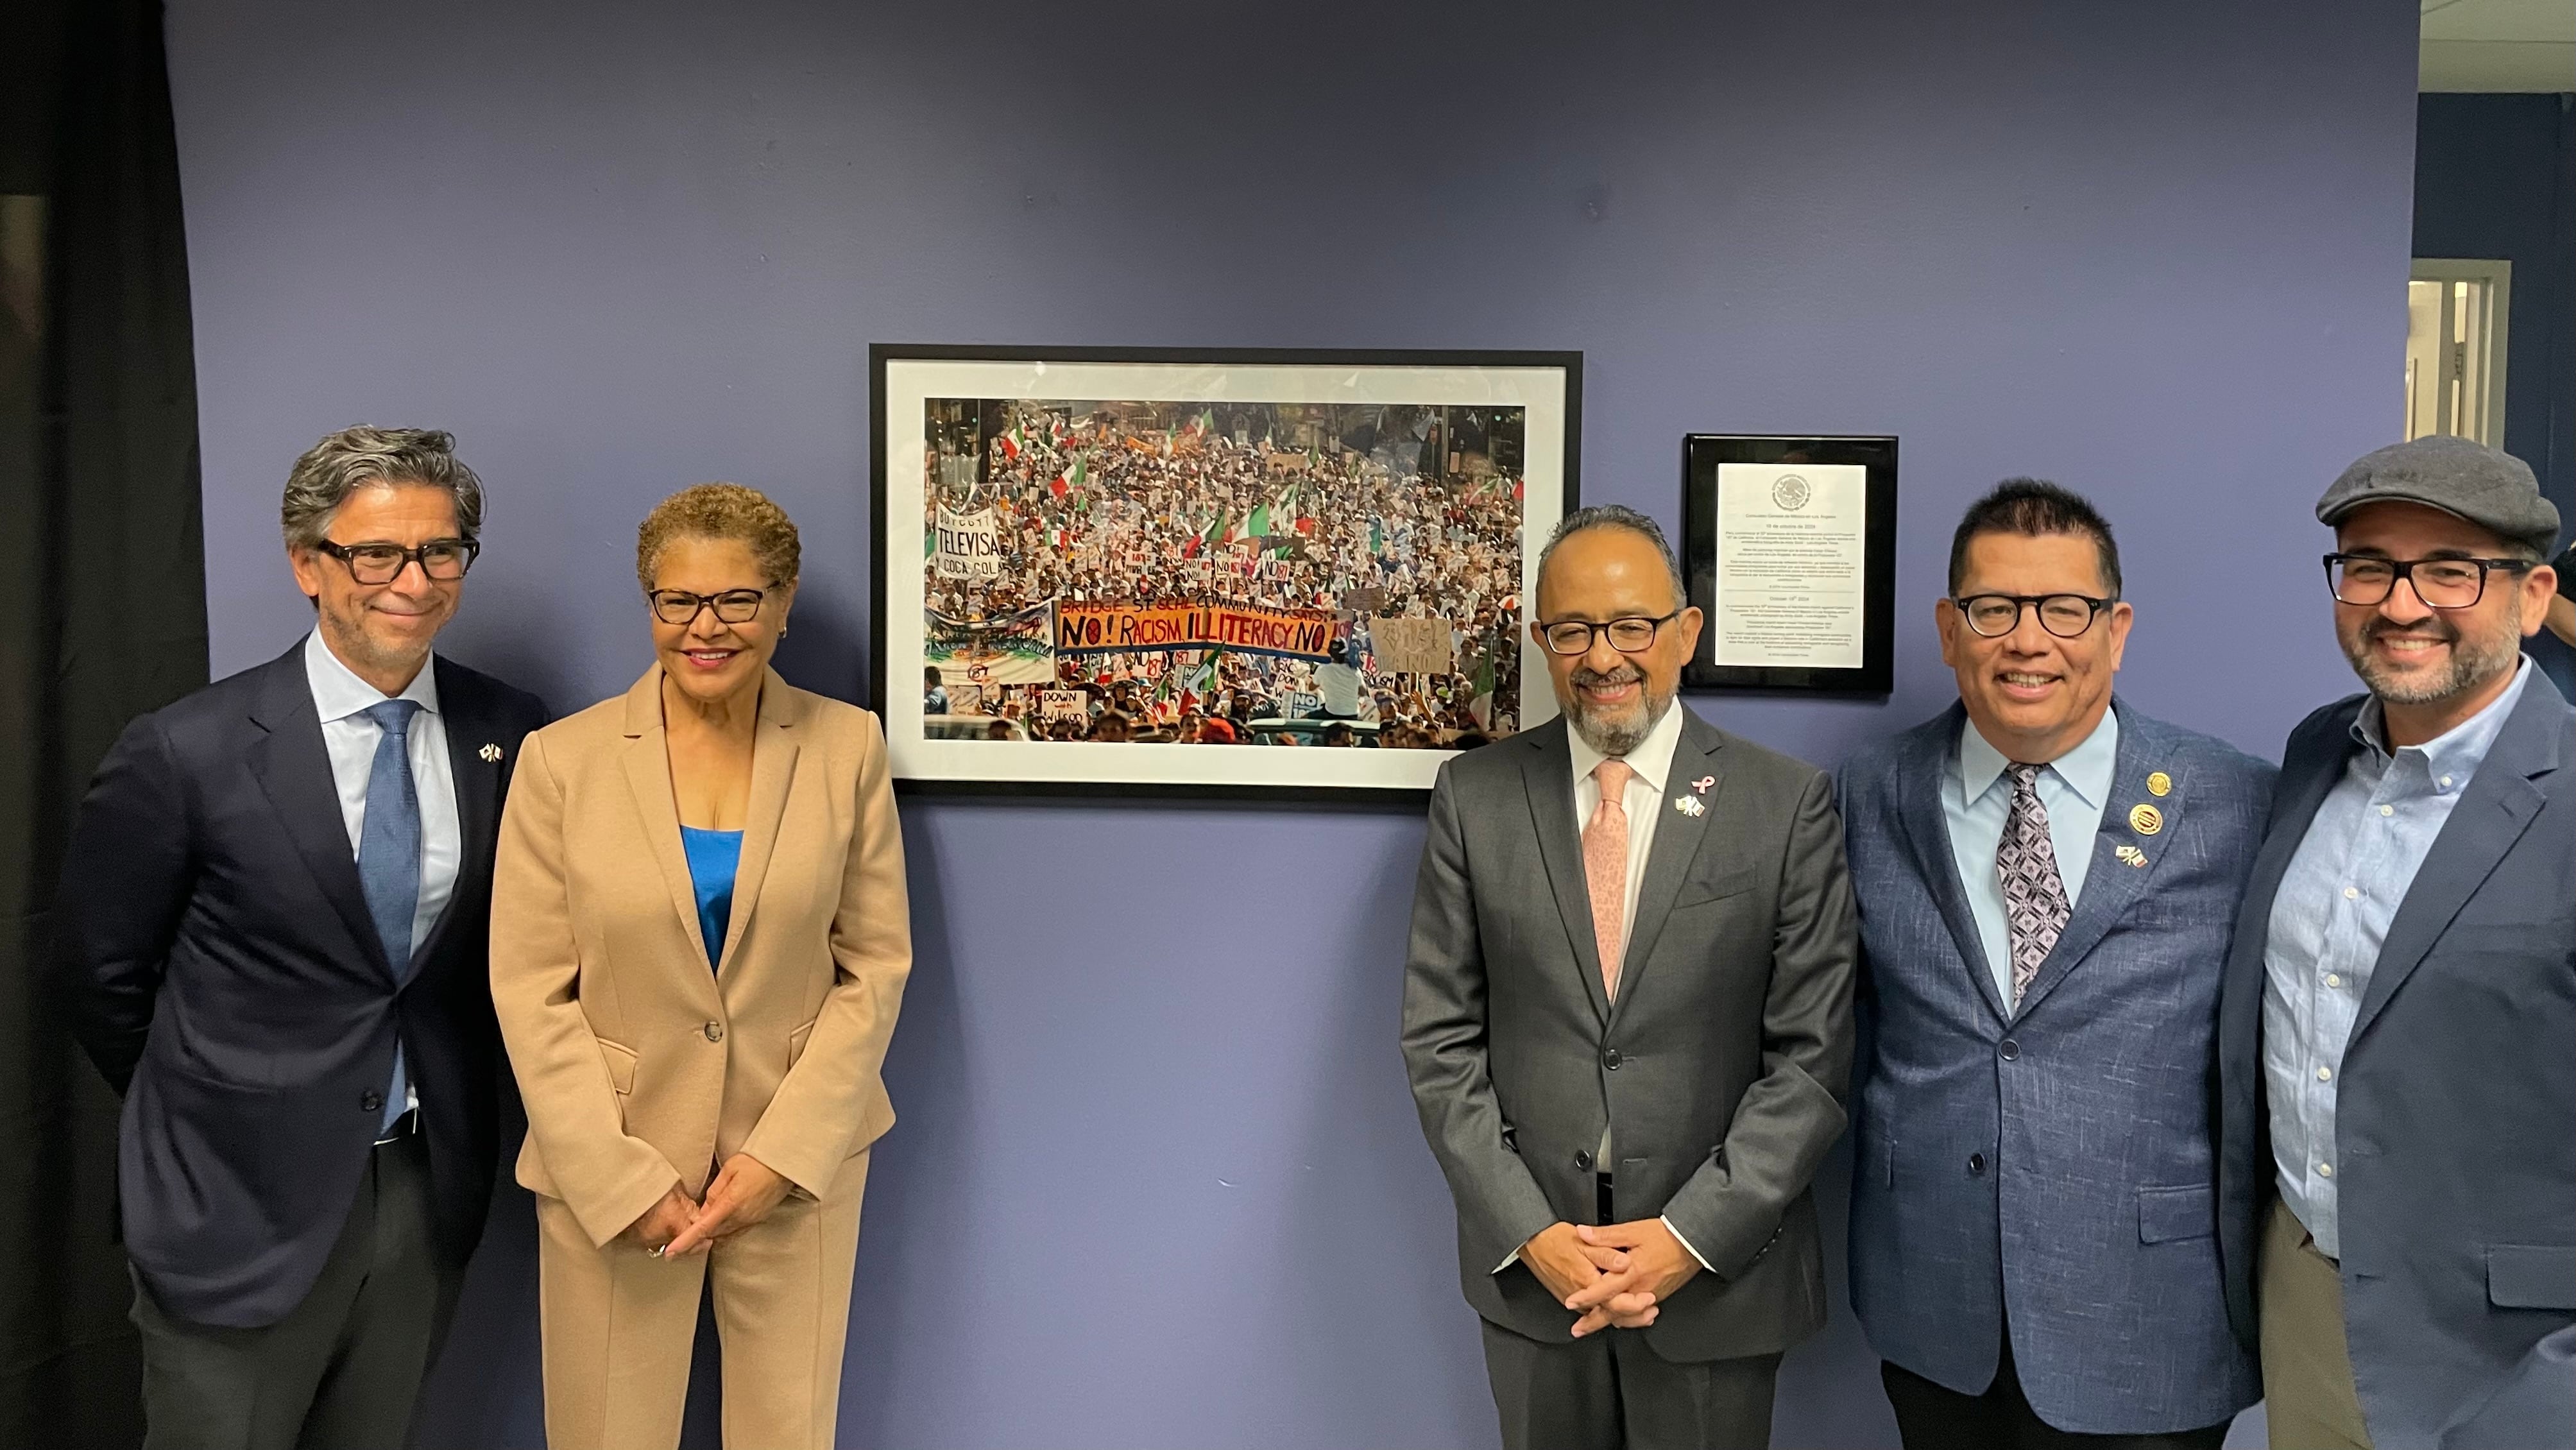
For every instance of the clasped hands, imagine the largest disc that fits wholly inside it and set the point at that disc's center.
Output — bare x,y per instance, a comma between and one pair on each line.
1612,1277
743,1194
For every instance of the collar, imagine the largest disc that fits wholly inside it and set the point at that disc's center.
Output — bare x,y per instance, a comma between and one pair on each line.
338,693
2086,769
2451,757
1653,757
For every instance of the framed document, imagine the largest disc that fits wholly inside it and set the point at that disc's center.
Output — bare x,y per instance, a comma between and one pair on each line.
1789,547
1128,571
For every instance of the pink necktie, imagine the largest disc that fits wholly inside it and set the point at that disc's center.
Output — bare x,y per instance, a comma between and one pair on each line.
1605,865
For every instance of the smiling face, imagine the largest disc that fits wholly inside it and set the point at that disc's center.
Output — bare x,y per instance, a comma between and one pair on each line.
2432,668
382,632
1597,575
707,658
2032,695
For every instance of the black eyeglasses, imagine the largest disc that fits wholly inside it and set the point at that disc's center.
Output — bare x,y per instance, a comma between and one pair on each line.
679,606
1628,635
2440,583
377,563
2065,615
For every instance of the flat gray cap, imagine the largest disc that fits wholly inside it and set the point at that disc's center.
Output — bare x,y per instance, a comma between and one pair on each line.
2488,487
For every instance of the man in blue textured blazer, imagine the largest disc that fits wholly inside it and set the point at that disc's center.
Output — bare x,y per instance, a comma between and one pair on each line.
2047,880
2398,1048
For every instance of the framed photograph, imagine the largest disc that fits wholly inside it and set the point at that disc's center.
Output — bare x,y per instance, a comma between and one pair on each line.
1222,572
1789,545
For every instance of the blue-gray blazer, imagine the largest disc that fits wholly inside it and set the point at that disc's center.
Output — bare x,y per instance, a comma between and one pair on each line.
2056,1159
2455,1117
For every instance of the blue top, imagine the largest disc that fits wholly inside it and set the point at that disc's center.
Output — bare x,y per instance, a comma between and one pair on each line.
1976,802
713,855
2329,920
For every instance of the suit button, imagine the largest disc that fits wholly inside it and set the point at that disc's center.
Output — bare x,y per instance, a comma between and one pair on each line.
715,1032
2010,1050
1611,1059
371,1101
1976,1163
1583,1158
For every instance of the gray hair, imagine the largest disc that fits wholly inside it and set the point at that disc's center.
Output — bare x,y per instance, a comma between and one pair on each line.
364,457
1617,516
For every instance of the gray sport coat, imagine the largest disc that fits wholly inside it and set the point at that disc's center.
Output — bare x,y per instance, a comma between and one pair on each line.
2455,1120
1720,1068
2054,1157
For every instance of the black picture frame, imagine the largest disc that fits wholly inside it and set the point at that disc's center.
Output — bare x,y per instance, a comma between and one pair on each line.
928,762
1703,454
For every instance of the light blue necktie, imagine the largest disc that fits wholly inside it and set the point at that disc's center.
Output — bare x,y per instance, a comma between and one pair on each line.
389,858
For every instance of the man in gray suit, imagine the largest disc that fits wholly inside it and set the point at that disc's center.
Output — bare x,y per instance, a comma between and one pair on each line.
2398,1043
2047,880
1627,1018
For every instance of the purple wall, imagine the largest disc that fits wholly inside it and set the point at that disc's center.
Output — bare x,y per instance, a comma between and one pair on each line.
1158,1180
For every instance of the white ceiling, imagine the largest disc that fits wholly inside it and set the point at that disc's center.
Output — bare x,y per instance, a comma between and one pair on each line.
2498,45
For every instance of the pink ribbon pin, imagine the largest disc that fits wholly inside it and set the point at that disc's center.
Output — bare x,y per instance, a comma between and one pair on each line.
1703,783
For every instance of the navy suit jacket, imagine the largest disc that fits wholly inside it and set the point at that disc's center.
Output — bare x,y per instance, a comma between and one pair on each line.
2455,1120
220,967
2057,1158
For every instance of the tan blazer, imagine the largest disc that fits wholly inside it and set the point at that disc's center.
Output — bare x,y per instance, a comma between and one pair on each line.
640,1066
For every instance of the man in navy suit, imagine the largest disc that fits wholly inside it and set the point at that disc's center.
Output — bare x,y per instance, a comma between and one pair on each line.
2047,879
2398,1049
272,942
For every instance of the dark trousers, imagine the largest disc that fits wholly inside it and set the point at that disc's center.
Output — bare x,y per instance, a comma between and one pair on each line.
1611,1391
1930,1417
343,1370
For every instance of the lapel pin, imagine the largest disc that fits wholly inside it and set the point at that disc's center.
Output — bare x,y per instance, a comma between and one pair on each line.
491,753
2159,784
2130,855
2145,819
1689,805
1702,784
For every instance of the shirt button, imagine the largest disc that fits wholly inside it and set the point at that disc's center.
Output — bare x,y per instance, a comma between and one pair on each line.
2325,1074
2351,893
2388,810
2334,979
715,1032
2325,1170
2446,782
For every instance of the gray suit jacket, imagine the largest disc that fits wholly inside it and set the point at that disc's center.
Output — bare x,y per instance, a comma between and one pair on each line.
2055,1158
1721,1065
2455,1122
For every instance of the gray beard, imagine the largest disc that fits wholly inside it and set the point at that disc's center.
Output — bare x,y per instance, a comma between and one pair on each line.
1616,739
2473,663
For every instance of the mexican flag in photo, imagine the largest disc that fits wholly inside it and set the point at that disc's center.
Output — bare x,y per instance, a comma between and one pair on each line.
1013,443
1071,479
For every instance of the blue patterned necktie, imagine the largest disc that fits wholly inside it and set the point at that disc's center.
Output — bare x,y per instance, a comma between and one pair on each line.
389,857
2035,909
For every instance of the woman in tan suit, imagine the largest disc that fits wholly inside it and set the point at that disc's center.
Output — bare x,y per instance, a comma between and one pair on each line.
699,942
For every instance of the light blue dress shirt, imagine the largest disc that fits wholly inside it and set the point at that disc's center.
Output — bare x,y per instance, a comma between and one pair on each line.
2340,891
1976,798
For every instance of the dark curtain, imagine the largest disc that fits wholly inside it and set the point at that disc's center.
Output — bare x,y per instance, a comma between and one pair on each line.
102,617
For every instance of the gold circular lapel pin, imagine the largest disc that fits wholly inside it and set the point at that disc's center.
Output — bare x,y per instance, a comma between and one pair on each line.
2145,819
2159,784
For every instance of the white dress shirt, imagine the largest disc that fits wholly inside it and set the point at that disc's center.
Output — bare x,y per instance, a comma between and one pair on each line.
1648,765
338,697
1976,801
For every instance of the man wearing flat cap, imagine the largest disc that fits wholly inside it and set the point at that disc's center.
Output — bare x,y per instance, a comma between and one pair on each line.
2397,1038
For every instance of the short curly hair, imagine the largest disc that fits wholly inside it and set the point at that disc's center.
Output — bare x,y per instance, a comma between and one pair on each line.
719,511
